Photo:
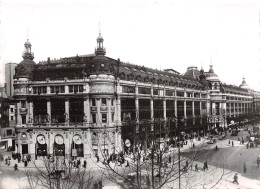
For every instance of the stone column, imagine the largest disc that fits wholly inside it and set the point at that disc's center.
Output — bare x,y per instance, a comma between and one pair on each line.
184,102
67,111
109,116
175,108
66,89
49,108
30,112
200,109
67,107
164,109
208,107
48,90
50,142
86,105
230,106
118,103
19,146
68,139
137,108
193,113
87,145
213,108
151,107
19,118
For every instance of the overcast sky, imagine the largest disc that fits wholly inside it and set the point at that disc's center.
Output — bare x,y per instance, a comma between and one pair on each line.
158,34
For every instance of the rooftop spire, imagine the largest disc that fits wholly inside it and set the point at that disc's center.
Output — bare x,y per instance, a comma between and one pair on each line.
100,50
99,24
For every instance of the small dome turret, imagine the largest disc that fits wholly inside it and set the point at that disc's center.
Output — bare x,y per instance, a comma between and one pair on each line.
25,68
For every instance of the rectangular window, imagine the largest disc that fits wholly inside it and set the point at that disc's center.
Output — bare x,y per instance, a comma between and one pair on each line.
35,89
93,102
112,102
80,88
128,89
155,91
44,90
76,88
104,118
52,89
94,118
12,118
62,89
23,104
180,93
12,110
143,90
23,119
71,88
169,93
113,117
9,132
104,102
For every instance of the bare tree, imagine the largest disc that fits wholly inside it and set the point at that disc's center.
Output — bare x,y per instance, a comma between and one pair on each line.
58,172
149,162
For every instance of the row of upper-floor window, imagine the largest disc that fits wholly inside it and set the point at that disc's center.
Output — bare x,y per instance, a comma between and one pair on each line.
239,99
156,91
103,101
58,89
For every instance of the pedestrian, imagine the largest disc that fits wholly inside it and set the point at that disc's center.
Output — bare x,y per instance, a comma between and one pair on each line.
258,161
8,162
196,167
247,145
15,167
229,142
235,179
25,163
78,163
232,143
85,164
216,148
187,163
244,167
205,166
193,145
238,139
127,163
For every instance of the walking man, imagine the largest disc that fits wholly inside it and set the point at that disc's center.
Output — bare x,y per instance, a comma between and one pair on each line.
15,167
235,179
258,161
85,164
196,167
232,143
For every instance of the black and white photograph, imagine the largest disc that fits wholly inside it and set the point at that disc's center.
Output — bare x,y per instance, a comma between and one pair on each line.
130,94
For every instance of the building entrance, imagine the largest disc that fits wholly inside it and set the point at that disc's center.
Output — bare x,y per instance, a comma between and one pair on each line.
24,148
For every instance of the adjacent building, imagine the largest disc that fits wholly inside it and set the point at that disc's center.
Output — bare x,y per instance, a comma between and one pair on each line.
9,78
